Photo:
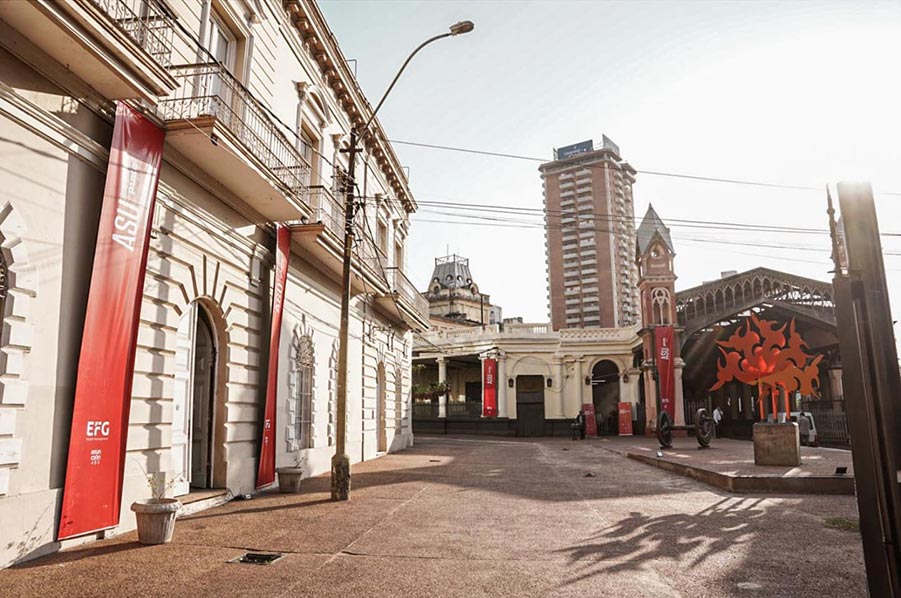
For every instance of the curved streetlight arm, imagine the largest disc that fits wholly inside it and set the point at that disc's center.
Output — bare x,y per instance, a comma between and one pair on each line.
363,130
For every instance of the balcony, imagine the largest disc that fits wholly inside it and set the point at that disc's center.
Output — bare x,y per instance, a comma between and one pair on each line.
321,240
403,301
121,48
216,123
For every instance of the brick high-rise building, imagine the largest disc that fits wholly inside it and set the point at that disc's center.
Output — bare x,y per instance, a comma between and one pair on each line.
590,237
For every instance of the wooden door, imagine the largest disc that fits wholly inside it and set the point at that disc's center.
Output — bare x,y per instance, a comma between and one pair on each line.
530,406
181,402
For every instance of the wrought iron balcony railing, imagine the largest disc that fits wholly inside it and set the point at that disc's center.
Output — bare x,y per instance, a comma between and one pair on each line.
327,209
402,285
146,22
209,90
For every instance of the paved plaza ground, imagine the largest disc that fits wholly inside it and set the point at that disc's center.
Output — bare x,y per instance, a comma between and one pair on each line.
467,516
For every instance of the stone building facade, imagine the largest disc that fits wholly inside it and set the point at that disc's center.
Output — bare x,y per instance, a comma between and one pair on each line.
257,101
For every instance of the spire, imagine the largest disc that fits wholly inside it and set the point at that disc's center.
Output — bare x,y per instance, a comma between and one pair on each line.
652,225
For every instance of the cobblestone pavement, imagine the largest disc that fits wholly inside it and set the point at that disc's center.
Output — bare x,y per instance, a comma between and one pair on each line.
466,516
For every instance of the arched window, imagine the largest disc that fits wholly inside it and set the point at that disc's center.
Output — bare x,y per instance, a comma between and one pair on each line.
302,397
660,306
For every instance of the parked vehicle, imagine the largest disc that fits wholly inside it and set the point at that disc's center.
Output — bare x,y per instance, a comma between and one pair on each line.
813,439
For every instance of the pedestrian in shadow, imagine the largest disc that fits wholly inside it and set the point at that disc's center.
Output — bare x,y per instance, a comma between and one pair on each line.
578,426
804,428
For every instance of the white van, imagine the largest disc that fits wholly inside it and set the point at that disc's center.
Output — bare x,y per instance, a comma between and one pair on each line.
813,439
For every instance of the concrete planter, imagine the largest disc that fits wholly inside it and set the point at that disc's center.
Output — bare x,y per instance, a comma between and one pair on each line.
289,479
777,444
156,519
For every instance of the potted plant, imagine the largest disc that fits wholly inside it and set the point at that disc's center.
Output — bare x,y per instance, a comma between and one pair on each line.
289,477
155,516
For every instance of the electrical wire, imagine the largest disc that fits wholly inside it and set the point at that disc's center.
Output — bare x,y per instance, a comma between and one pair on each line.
645,172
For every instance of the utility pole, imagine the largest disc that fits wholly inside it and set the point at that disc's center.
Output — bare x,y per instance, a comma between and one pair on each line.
872,384
341,460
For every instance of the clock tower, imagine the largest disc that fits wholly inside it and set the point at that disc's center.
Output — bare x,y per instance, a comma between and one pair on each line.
656,287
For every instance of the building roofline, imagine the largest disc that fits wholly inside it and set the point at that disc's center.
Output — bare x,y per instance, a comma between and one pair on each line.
310,22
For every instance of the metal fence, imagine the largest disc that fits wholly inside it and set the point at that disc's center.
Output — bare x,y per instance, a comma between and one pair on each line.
402,285
208,89
425,410
464,409
691,409
145,22
830,420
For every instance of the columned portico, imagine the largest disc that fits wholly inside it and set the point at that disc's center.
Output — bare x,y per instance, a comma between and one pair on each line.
534,364
580,387
557,404
501,384
442,379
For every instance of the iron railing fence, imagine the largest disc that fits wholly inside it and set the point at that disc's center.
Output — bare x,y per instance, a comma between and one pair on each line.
830,420
146,22
327,210
209,90
464,409
691,409
425,410
402,285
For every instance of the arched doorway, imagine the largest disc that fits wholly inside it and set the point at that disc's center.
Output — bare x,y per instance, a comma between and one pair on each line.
194,430
605,396
381,392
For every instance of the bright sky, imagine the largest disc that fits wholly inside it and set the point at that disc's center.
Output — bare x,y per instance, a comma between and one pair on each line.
803,93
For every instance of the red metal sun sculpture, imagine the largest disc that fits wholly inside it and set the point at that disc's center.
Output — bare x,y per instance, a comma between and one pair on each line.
765,358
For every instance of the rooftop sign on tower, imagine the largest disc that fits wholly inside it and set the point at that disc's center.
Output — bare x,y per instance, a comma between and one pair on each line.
573,150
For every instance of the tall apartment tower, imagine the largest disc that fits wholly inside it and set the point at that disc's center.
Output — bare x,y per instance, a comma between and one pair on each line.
590,237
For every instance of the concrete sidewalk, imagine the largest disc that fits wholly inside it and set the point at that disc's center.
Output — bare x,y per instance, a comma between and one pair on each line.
484,517
729,465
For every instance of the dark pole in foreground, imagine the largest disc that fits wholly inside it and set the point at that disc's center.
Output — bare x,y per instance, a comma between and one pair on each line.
872,385
341,460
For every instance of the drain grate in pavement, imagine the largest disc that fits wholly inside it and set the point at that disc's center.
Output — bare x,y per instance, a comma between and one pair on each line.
257,558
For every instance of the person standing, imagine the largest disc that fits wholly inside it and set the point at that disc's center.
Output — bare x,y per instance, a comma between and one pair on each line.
579,426
717,418
804,428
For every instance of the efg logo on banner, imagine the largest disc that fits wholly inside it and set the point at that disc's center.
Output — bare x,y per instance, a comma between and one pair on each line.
489,384
266,470
666,372
93,488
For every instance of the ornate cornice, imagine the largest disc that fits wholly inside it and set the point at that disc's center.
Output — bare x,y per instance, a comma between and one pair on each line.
323,47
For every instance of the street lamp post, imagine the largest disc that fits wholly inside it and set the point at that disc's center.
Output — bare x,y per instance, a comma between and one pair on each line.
341,461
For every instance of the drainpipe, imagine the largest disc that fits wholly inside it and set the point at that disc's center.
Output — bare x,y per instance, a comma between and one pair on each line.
204,21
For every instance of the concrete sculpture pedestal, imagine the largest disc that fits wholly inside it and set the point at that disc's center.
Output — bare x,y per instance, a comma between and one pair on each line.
777,444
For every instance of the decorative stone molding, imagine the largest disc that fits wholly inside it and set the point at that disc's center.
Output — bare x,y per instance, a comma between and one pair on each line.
18,288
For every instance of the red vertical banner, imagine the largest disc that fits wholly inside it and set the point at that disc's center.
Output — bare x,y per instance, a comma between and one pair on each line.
625,418
666,372
489,388
92,494
266,471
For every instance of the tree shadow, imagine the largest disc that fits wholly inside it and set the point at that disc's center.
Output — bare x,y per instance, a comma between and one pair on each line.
689,539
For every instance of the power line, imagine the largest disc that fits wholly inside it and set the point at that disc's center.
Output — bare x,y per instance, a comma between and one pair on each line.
645,172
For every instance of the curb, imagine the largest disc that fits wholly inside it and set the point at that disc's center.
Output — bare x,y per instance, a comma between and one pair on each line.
751,484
